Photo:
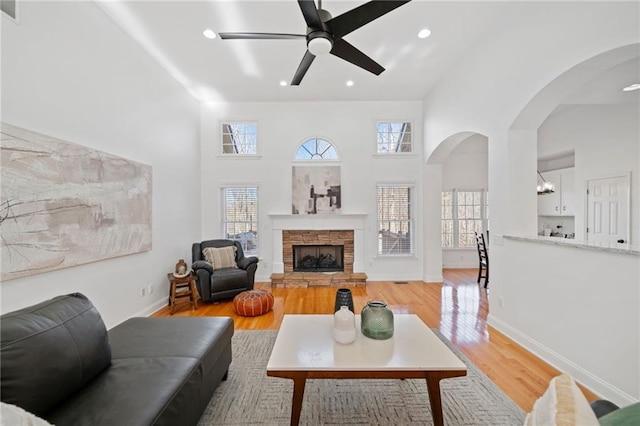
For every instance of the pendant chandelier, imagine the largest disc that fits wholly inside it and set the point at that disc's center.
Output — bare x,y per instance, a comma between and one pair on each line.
545,187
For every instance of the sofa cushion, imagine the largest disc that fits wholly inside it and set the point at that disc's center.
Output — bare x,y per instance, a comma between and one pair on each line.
221,258
562,404
163,371
133,391
195,337
50,350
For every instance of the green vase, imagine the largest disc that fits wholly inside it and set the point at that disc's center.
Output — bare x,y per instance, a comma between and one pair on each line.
376,320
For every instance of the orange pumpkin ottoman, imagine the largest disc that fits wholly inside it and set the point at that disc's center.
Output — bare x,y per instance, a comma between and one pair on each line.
252,303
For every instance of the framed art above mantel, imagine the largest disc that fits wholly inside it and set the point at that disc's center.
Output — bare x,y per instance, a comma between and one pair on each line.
316,190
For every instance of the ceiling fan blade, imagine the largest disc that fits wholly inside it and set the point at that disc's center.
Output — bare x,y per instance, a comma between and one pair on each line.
307,59
349,53
350,21
310,13
260,36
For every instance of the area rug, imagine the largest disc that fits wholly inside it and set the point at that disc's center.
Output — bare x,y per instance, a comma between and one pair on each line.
250,397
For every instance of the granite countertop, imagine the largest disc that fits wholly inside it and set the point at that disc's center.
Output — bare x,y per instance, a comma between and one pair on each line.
567,242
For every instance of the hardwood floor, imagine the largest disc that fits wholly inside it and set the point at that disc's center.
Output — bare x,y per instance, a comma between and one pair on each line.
458,307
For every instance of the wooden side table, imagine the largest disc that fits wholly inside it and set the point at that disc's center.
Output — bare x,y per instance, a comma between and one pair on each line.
181,288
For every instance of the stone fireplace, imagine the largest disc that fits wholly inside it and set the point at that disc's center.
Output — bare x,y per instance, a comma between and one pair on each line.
313,238
333,237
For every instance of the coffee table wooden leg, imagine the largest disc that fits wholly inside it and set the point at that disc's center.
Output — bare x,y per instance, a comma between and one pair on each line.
299,382
433,386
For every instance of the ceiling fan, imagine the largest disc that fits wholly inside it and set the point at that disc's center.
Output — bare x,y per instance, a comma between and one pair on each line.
325,34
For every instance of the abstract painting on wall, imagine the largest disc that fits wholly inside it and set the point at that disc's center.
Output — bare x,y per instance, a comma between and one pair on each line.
64,204
316,190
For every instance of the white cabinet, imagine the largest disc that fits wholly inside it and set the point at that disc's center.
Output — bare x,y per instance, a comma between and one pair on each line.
568,192
562,201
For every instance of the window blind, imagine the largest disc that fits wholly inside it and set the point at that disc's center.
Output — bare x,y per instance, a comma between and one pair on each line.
395,220
240,216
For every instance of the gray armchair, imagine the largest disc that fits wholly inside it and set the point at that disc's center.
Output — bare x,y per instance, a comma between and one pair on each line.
222,283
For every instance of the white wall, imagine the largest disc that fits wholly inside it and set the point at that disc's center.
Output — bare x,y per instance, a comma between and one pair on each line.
484,94
282,127
69,72
466,167
606,140
578,310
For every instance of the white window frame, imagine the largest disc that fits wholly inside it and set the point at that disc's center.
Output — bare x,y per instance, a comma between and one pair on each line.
248,251
222,134
396,153
484,219
411,221
316,159
16,20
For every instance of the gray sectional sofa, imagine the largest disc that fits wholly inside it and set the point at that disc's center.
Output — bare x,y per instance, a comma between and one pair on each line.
58,361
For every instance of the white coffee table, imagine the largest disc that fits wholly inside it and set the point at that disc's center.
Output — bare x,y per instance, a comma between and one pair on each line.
305,349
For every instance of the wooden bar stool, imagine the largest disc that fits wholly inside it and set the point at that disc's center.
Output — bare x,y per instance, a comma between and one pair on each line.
181,288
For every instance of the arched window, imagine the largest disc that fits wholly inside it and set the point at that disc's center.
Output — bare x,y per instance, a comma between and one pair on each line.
316,149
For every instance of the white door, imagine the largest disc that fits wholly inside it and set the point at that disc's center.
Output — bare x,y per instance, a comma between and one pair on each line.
608,201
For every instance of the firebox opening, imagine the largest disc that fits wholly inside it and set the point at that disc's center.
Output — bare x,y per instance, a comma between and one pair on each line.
318,258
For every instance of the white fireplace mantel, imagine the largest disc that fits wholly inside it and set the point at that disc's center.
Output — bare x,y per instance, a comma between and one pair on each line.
317,221
355,222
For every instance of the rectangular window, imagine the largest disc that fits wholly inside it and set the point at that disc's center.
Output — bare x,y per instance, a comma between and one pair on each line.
240,217
447,219
463,214
394,137
395,220
239,138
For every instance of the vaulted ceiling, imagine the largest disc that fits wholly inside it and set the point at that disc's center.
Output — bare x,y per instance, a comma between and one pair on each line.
251,70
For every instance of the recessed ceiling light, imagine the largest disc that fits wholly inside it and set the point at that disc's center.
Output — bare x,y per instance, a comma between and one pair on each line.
283,83
424,33
350,83
631,87
210,34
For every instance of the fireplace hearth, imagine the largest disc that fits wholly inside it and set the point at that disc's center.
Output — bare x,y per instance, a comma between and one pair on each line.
318,258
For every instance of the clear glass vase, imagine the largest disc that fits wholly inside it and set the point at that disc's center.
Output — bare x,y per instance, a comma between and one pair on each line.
376,320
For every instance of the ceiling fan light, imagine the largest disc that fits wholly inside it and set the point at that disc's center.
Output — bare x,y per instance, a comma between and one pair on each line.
210,34
424,33
319,46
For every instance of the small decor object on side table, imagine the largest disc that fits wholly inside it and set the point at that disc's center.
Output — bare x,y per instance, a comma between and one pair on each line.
181,269
344,326
377,320
344,298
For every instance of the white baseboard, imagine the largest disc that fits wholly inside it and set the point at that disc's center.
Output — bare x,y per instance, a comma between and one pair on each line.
433,278
154,307
589,380
148,310
262,278
460,265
